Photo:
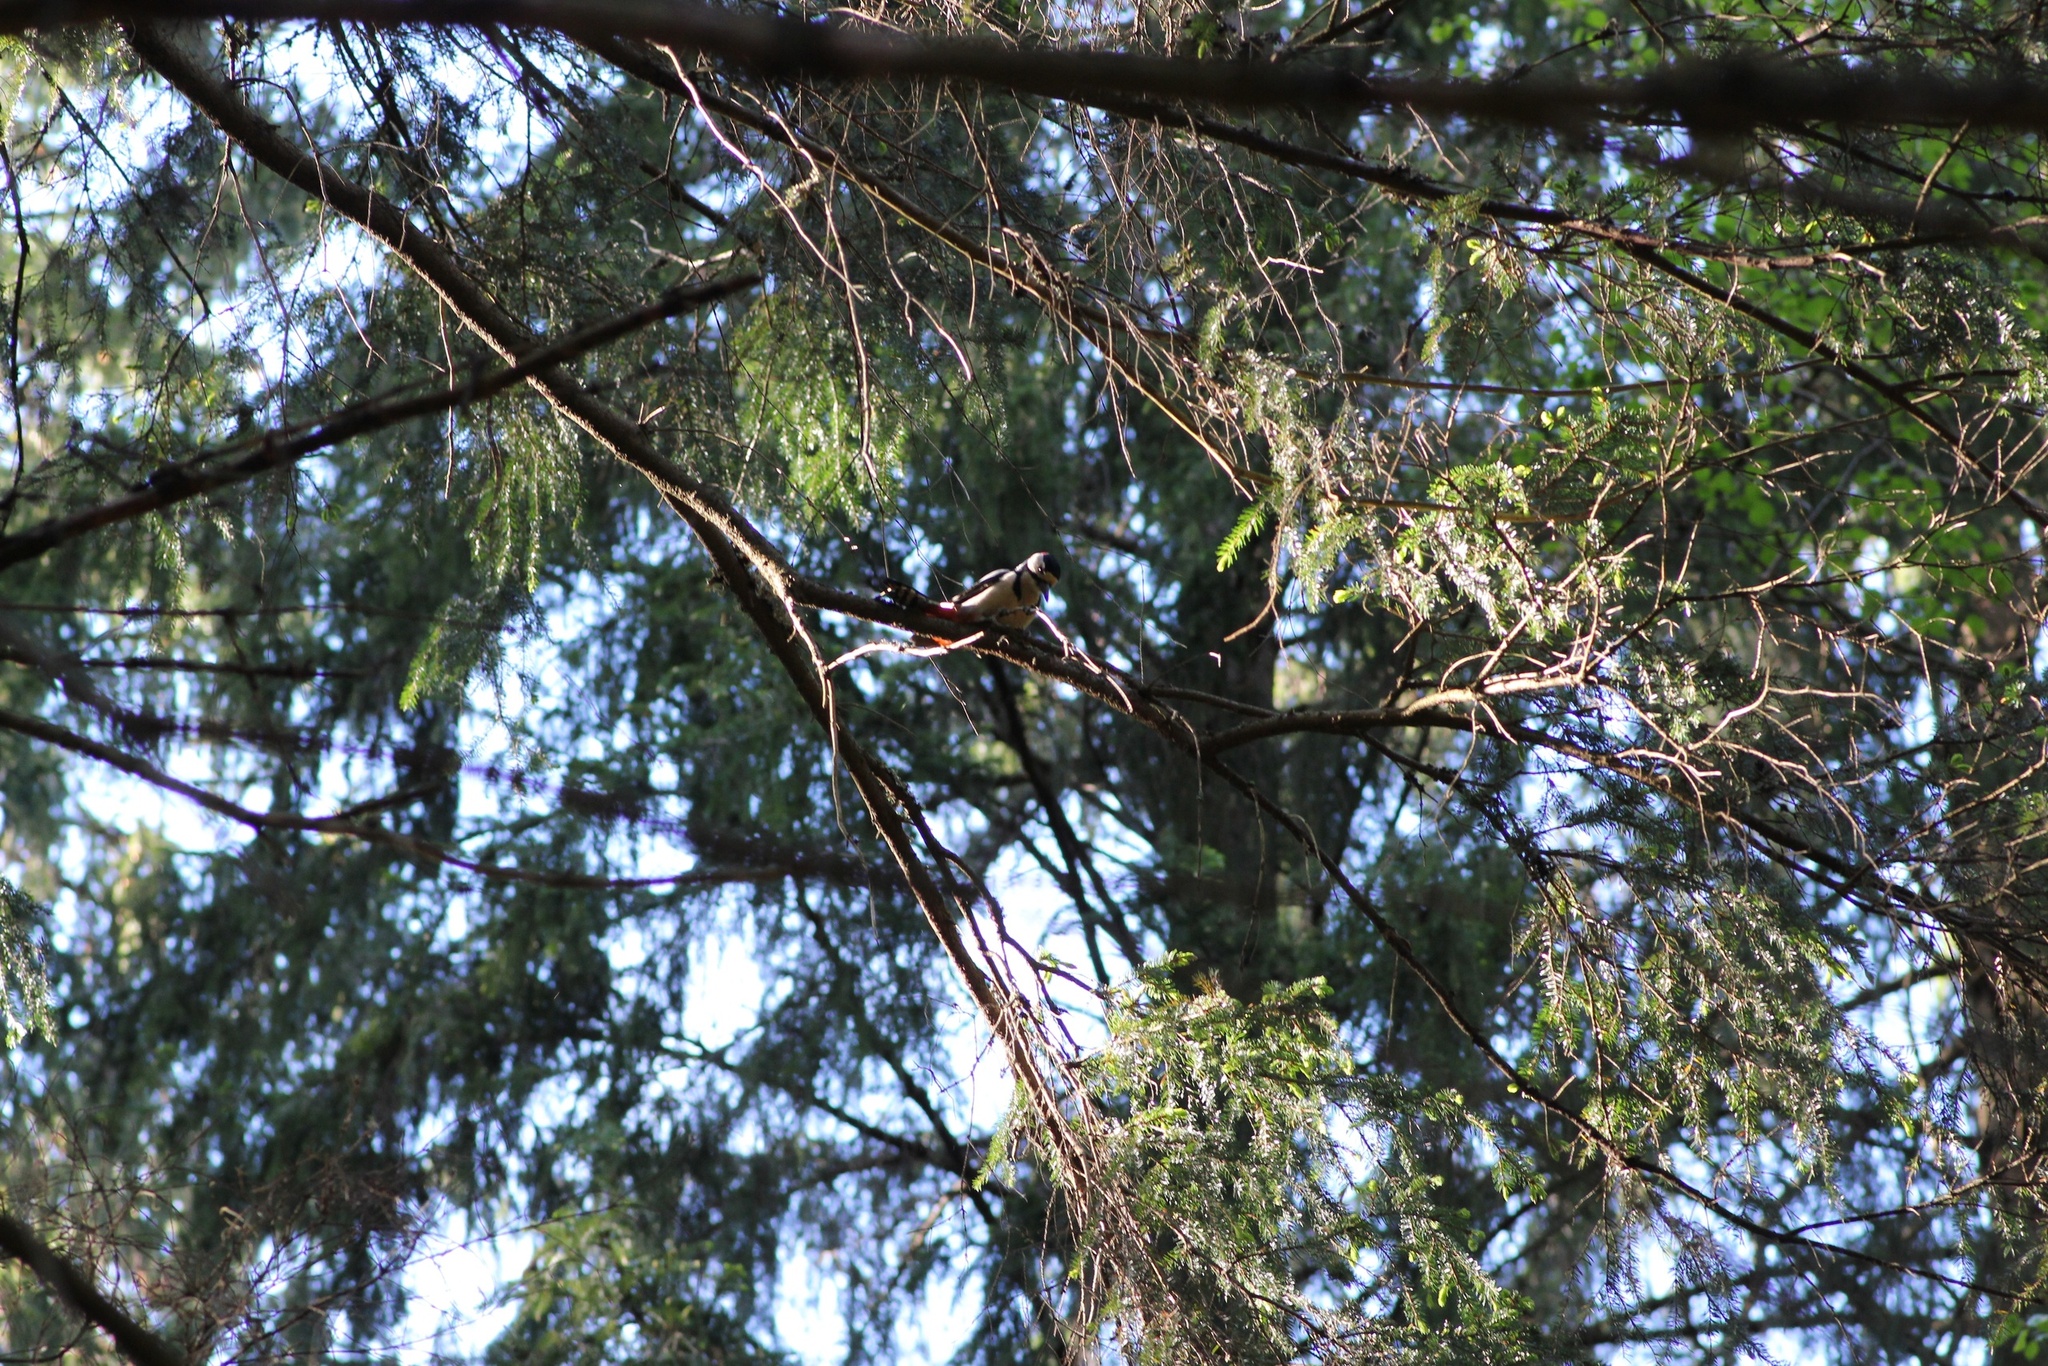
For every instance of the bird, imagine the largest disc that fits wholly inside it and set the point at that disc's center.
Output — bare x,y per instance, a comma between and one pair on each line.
1006,597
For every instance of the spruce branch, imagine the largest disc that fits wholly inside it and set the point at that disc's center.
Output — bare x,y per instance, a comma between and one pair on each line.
238,462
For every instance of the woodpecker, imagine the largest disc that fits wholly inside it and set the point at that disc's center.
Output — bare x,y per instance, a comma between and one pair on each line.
1007,597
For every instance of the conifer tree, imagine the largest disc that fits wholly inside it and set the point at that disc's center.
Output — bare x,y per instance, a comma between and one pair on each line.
1519,838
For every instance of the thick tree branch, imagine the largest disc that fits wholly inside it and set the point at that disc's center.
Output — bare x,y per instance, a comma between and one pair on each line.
73,1286
1718,95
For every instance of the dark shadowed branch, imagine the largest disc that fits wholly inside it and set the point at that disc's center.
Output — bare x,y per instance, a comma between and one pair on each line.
1717,95
75,1288
217,469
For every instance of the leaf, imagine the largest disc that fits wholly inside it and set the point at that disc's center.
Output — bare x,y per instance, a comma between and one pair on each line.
1243,532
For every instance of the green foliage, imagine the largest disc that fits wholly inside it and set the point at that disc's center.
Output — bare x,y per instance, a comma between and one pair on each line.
596,1292
533,493
1248,527
839,445
1634,946
452,652
1237,1162
24,983
2023,1334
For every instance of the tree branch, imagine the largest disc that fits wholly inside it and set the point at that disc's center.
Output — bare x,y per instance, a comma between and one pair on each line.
201,474
348,825
753,570
1720,95
68,1283
770,594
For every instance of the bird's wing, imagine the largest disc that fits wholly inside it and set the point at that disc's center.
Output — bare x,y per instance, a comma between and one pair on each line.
992,592
990,580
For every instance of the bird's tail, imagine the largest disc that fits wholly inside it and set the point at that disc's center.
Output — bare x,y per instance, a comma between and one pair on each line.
897,593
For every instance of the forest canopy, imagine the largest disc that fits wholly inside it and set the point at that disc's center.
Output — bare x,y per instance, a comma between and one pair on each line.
1519,835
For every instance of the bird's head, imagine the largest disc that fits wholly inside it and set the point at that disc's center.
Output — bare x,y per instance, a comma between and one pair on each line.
1043,567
